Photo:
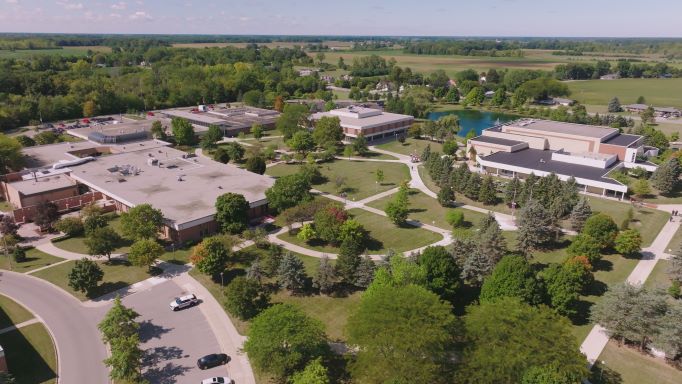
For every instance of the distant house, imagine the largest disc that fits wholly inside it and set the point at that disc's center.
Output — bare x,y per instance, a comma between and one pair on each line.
658,111
306,72
490,94
327,79
610,76
556,101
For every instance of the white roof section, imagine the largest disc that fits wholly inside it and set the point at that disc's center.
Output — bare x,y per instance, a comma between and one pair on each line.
184,189
360,117
592,131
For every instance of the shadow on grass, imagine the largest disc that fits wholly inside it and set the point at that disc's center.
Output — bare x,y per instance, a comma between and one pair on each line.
24,361
604,375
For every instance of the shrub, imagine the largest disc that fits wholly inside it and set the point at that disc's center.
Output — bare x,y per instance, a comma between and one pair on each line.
71,226
455,218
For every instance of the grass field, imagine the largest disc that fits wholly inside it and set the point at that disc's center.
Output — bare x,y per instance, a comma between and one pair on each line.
648,221
30,354
117,274
410,146
34,259
675,245
658,279
659,92
66,51
77,244
12,312
359,177
626,365
427,210
384,235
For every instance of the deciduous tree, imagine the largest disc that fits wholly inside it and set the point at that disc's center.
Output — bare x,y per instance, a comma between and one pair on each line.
602,228
442,273
141,222
144,252
102,242
288,191
85,275
327,131
513,276
628,242
245,297
232,212
210,256
183,132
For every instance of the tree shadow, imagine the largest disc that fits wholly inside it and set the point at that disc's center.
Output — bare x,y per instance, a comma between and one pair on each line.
166,374
149,330
373,244
156,355
603,265
604,375
582,308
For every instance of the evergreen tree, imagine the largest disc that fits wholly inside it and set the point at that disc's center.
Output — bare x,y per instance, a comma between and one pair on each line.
666,176
535,227
325,277
614,105
291,273
446,195
365,272
426,153
580,213
512,190
473,186
487,193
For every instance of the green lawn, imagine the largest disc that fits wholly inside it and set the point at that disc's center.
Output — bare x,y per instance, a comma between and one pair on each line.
628,366
118,274
384,235
333,312
675,245
34,259
12,312
77,244
266,140
359,177
658,92
178,256
427,210
410,146
659,276
30,354
648,221
5,206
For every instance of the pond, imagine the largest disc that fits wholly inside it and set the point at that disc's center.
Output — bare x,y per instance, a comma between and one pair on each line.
474,120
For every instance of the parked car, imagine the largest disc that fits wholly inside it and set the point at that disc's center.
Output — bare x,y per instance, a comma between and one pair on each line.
213,360
217,380
184,302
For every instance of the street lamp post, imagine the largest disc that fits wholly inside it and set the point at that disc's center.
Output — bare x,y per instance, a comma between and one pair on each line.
601,371
222,294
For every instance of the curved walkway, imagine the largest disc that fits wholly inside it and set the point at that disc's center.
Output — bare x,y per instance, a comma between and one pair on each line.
80,351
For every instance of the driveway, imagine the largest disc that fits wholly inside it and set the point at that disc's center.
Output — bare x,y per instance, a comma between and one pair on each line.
74,327
173,341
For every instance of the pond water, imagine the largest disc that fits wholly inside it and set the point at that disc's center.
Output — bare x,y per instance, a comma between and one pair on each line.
474,120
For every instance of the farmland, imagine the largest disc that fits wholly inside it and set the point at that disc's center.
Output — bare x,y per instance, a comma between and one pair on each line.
659,92
66,51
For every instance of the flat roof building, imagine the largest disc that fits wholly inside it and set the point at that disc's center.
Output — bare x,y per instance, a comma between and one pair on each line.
230,120
371,123
586,152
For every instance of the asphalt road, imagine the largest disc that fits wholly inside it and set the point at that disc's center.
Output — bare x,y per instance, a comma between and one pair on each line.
173,341
74,327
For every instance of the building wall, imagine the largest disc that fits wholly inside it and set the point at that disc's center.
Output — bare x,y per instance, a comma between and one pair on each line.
198,232
533,142
25,214
20,200
569,143
613,150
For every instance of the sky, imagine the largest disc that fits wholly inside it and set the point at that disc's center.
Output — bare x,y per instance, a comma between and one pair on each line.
571,18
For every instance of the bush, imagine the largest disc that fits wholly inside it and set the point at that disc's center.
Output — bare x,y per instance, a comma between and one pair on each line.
19,255
455,218
71,226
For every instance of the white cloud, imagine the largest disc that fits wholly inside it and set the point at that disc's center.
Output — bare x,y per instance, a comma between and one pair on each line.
115,15
70,6
244,19
140,15
121,5
12,1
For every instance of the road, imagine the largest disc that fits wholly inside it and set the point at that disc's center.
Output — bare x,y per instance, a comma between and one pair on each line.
74,327
173,341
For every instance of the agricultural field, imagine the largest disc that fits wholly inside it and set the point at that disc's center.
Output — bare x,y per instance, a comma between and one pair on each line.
658,92
66,51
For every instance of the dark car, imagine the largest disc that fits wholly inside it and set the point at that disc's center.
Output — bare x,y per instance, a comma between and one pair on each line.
213,360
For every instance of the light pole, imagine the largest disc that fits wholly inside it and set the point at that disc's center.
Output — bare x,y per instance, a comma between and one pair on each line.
222,294
601,371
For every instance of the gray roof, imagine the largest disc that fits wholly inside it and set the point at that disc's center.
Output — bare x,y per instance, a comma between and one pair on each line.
42,184
184,189
565,128
377,117
623,140
530,158
497,140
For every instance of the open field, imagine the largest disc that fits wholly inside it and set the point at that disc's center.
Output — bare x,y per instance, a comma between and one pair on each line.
5,206
628,366
648,221
66,51
359,177
383,235
274,44
410,146
12,312
34,259
30,354
427,210
675,245
117,274
658,279
659,92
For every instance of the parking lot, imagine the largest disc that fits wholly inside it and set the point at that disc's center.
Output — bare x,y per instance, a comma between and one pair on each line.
173,341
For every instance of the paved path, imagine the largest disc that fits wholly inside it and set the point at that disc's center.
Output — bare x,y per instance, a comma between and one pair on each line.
73,327
50,248
20,325
596,340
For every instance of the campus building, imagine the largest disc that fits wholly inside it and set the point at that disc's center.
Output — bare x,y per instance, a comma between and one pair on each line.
230,120
371,123
586,152
120,176
658,111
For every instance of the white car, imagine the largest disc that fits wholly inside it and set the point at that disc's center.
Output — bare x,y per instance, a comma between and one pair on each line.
184,302
217,380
